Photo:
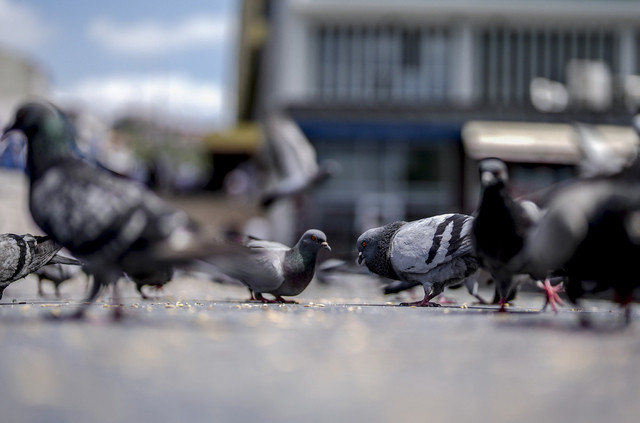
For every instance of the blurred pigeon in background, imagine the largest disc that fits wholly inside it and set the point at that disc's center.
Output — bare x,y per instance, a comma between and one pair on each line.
285,271
21,255
57,274
331,269
157,279
113,225
598,159
435,252
500,227
471,283
294,158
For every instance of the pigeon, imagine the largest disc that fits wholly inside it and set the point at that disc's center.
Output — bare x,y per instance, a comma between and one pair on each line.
500,228
597,158
294,158
113,225
285,271
590,233
156,279
21,255
57,274
435,252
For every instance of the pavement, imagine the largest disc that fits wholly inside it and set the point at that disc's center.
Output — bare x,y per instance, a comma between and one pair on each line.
199,352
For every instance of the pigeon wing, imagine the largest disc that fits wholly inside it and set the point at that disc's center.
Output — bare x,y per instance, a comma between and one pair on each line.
13,254
421,246
565,225
271,275
261,244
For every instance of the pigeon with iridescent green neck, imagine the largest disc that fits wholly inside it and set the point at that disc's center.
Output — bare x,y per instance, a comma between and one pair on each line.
113,225
286,271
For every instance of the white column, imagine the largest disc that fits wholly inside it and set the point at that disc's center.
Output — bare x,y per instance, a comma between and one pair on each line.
627,55
462,65
292,56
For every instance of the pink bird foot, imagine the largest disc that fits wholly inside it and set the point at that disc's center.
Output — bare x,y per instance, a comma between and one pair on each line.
503,305
551,292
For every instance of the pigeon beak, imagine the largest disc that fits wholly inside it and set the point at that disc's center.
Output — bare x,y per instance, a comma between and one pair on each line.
360,259
325,245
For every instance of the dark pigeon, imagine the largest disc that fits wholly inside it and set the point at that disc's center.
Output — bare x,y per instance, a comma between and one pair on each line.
21,255
285,271
113,225
435,252
500,227
57,274
591,234
156,279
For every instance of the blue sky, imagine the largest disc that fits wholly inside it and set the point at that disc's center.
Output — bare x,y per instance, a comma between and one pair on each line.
172,58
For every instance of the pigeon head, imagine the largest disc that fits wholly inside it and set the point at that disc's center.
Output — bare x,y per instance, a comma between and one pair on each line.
312,241
35,117
373,249
49,134
368,246
493,172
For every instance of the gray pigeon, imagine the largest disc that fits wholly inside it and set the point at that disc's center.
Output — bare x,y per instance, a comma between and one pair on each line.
112,224
435,252
24,254
57,274
285,271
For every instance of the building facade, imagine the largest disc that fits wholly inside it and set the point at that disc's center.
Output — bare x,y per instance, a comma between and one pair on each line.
386,88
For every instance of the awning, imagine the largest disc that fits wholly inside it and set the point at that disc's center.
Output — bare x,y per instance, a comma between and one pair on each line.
539,142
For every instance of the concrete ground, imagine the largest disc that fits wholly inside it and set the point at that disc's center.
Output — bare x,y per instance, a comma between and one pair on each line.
198,352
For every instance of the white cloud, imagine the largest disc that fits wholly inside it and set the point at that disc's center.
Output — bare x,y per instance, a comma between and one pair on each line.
170,99
21,28
153,38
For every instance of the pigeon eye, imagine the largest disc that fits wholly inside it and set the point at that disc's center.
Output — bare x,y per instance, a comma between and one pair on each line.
313,238
364,243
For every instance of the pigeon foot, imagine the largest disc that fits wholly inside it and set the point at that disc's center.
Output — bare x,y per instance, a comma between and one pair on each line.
551,292
279,299
264,300
503,305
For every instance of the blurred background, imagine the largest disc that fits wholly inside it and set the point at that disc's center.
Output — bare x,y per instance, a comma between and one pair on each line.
340,115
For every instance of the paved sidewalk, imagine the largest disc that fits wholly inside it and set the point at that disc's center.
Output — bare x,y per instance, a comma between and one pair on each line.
199,353
331,358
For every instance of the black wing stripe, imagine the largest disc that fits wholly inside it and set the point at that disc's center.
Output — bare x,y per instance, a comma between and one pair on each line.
437,239
454,244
